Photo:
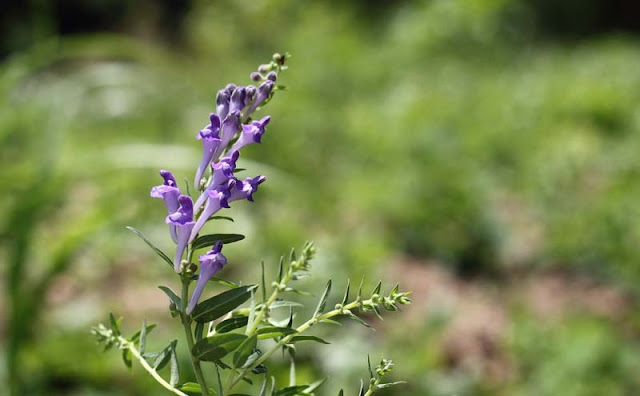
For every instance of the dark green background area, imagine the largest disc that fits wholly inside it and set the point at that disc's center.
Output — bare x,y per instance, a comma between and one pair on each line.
483,153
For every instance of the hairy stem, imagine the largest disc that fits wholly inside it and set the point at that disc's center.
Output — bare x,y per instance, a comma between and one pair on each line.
186,322
134,351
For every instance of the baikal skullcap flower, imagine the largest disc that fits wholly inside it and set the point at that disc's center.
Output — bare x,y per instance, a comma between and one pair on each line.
221,172
230,126
246,188
237,99
216,199
169,192
210,137
222,104
182,220
251,133
264,90
210,263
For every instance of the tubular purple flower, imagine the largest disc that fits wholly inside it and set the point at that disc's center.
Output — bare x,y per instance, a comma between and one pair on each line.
182,220
210,143
246,188
251,133
230,127
222,104
210,264
237,99
169,192
251,94
221,172
217,198
264,90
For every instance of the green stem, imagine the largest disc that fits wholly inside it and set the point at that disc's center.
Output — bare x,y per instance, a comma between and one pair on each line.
186,322
372,387
134,351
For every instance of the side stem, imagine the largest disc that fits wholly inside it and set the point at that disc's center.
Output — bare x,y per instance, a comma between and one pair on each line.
186,323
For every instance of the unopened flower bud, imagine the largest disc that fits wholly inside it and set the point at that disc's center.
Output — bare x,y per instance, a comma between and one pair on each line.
264,68
272,76
255,76
279,59
230,88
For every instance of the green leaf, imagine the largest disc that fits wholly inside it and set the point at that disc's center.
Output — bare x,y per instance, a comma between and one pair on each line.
221,304
280,269
214,348
221,218
152,246
211,239
331,321
272,332
314,386
175,369
244,351
369,366
360,289
229,284
143,337
220,391
263,389
264,285
164,356
198,331
341,393
173,297
361,392
231,324
134,338
323,300
376,290
290,390
282,303
345,299
359,320
390,384
194,387
115,324
126,357
302,338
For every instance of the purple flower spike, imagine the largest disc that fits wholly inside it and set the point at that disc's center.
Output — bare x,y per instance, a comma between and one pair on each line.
237,99
182,220
217,198
264,90
210,143
230,127
210,264
222,104
168,191
251,133
221,171
246,188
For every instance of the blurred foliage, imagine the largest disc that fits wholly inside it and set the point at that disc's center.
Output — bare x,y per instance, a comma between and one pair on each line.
443,129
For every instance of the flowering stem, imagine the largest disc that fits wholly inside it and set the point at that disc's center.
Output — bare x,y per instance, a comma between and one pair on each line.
186,322
134,351
372,386
285,340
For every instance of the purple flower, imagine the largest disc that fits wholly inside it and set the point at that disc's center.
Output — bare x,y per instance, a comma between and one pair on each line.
251,133
221,172
168,191
237,99
264,90
182,220
210,264
230,126
210,143
245,189
222,104
217,198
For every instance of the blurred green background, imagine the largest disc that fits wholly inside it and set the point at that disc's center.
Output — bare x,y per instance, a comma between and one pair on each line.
482,153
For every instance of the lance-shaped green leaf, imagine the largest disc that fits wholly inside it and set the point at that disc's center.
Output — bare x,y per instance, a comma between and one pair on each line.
221,218
126,357
143,337
390,384
282,303
214,348
115,324
193,387
221,304
359,320
152,246
231,324
345,299
173,297
323,300
341,393
361,392
290,390
175,369
134,338
198,331
220,391
280,269
244,351
211,239
263,389
376,290
264,284
369,366
273,332
314,386
360,289
164,356
301,338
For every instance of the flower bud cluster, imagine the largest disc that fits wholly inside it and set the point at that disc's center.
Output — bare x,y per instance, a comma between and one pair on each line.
389,302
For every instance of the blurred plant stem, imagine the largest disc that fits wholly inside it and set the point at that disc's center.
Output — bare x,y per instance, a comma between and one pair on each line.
186,322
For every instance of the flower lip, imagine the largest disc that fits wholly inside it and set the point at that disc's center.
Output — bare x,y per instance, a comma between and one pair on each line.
212,130
184,214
